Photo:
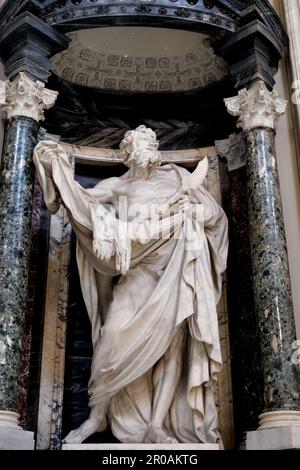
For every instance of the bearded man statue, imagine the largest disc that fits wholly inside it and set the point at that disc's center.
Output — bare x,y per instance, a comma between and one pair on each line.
156,348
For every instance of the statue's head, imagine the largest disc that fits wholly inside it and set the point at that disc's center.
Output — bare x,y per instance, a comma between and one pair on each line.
140,146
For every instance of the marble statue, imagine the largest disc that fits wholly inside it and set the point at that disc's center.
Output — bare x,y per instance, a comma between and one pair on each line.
156,348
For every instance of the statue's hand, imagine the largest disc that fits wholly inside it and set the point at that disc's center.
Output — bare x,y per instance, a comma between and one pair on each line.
183,202
47,152
179,198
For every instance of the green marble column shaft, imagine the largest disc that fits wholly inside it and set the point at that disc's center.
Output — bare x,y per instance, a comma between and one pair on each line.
16,188
271,277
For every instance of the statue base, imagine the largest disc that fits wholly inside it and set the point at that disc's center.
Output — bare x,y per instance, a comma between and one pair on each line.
281,438
133,447
16,439
12,436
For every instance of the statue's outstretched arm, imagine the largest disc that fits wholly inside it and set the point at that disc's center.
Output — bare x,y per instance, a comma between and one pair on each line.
56,176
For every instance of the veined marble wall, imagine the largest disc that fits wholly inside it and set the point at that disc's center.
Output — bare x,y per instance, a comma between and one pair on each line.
288,133
2,77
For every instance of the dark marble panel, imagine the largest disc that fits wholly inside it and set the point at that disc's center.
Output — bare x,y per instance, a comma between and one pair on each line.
79,352
27,44
33,334
245,348
79,348
274,309
27,333
16,188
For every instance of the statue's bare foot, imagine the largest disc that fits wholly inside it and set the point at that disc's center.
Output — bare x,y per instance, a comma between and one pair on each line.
79,435
88,427
156,434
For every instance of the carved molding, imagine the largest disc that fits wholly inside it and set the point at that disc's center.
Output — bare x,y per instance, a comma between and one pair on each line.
233,149
195,11
24,97
256,107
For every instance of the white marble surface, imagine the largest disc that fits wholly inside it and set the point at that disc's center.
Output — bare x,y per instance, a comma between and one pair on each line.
275,419
14,439
9,419
151,447
109,157
281,438
292,18
288,147
54,339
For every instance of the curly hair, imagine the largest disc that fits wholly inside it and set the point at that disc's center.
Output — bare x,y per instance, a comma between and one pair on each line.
129,150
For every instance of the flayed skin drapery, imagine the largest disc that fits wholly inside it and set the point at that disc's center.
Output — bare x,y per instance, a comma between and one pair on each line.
163,309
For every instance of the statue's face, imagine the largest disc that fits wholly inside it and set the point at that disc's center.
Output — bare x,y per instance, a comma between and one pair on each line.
140,148
144,150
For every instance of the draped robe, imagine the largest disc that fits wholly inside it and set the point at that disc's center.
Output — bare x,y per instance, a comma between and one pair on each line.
164,308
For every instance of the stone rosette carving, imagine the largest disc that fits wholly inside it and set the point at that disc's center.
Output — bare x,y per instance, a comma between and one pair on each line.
24,97
256,107
210,13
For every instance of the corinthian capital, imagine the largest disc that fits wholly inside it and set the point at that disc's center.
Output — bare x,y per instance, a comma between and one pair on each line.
256,107
24,97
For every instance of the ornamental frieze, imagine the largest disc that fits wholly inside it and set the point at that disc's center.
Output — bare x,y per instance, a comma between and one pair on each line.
194,11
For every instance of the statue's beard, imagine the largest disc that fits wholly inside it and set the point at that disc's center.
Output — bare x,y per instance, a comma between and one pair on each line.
146,158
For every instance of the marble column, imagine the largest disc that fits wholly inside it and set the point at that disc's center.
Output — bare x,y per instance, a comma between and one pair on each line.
24,102
258,110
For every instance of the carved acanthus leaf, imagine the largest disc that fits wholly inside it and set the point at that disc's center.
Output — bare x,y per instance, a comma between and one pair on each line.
24,97
256,107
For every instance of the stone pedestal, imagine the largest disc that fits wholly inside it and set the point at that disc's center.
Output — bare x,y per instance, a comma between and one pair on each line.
281,438
14,439
12,436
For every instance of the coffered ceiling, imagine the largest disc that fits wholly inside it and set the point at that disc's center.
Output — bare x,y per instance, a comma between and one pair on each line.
140,59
